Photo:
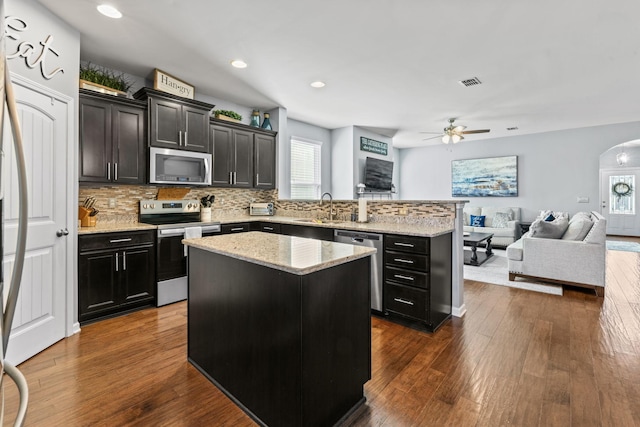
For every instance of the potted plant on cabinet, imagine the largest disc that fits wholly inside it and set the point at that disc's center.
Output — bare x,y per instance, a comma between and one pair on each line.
230,116
102,80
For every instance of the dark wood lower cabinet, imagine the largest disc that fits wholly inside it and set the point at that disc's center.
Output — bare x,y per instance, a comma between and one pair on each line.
417,280
116,273
291,350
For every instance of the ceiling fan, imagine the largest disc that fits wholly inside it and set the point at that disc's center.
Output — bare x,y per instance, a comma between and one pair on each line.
454,133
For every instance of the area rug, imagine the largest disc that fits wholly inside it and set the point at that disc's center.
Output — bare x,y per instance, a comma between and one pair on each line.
617,245
496,272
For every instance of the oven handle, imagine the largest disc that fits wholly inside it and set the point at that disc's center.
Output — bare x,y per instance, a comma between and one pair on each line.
169,232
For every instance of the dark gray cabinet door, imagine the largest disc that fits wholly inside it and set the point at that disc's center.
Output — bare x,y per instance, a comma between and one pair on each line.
265,161
97,284
221,149
95,140
128,131
138,275
112,141
243,159
196,129
166,123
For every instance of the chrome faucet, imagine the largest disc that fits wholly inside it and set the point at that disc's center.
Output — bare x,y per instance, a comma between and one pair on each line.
330,204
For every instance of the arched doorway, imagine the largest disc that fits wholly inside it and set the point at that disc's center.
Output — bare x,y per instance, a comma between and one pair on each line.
619,178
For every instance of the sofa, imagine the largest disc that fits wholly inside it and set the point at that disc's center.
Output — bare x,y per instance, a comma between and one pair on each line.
561,250
505,227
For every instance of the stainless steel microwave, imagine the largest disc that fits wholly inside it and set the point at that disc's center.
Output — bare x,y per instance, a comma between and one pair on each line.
168,166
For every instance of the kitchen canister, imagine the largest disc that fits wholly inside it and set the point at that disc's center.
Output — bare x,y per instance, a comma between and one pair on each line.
205,214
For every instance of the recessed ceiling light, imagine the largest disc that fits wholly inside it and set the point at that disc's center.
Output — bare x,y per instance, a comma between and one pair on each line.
110,11
239,63
317,84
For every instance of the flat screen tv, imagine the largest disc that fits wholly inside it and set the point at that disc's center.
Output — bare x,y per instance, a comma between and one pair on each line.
378,174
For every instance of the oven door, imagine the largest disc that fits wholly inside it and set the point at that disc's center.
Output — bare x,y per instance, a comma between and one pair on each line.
172,262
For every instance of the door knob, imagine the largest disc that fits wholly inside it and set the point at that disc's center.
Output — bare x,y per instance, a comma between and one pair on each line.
61,233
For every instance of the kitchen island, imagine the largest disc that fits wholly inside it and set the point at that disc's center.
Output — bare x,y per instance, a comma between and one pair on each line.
281,324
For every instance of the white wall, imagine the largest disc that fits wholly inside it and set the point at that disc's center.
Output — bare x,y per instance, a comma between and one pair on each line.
65,40
554,168
342,162
309,132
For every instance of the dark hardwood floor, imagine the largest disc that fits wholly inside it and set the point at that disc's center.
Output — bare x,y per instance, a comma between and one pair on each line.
516,358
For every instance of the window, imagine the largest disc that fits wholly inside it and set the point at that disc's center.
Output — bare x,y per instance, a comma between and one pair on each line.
305,169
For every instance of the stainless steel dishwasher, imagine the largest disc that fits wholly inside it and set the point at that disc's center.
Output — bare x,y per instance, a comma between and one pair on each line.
370,240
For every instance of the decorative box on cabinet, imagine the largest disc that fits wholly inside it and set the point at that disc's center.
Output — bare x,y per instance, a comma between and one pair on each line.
176,122
116,273
112,139
417,280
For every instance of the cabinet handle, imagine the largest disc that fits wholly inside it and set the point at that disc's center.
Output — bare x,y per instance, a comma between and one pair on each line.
237,229
268,228
230,177
406,245
185,138
235,177
115,169
124,260
257,178
400,276
120,240
403,301
180,138
116,261
406,261
109,170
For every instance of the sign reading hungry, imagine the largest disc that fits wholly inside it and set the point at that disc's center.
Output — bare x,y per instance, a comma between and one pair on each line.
169,84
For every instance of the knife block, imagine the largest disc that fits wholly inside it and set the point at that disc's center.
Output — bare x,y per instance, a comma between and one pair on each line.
85,219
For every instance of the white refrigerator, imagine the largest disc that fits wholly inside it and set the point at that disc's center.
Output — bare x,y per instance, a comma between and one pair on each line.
9,291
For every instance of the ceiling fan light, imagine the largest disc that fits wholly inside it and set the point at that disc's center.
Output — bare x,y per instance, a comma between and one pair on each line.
459,128
456,138
445,138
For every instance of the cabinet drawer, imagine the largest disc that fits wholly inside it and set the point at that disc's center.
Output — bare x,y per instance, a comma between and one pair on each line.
407,277
240,227
406,300
418,245
407,260
269,227
88,242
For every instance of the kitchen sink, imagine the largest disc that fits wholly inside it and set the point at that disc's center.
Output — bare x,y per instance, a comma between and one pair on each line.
319,221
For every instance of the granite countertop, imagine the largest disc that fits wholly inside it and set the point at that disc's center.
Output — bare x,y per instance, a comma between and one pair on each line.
419,230
112,227
295,255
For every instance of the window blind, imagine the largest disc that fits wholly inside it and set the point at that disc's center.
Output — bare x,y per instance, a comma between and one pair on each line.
305,169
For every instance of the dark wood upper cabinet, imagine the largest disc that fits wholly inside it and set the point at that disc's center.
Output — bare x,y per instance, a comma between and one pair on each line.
265,161
232,151
176,122
112,139
243,156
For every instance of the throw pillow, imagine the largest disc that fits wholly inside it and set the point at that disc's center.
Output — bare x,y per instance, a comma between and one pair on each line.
549,230
550,218
501,220
477,220
578,229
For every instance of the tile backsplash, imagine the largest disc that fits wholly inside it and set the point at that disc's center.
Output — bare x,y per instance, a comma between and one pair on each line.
235,202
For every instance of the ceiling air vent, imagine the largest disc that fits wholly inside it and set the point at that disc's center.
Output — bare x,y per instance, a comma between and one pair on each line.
473,81
513,128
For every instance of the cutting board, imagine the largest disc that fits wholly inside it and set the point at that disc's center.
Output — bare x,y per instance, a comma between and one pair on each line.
172,193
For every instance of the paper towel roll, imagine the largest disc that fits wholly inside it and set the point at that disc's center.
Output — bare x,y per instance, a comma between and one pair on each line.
362,210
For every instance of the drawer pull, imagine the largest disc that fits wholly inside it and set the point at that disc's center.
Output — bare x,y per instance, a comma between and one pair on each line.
120,240
237,229
404,301
268,228
406,245
400,276
406,261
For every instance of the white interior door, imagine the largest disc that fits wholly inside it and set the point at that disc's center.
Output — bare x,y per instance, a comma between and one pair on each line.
40,313
619,200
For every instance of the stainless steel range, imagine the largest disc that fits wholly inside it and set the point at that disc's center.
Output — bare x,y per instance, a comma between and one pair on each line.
176,220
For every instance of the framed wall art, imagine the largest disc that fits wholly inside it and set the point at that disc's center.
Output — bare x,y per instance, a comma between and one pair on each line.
488,177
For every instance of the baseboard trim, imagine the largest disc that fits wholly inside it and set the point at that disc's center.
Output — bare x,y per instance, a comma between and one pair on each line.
459,311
